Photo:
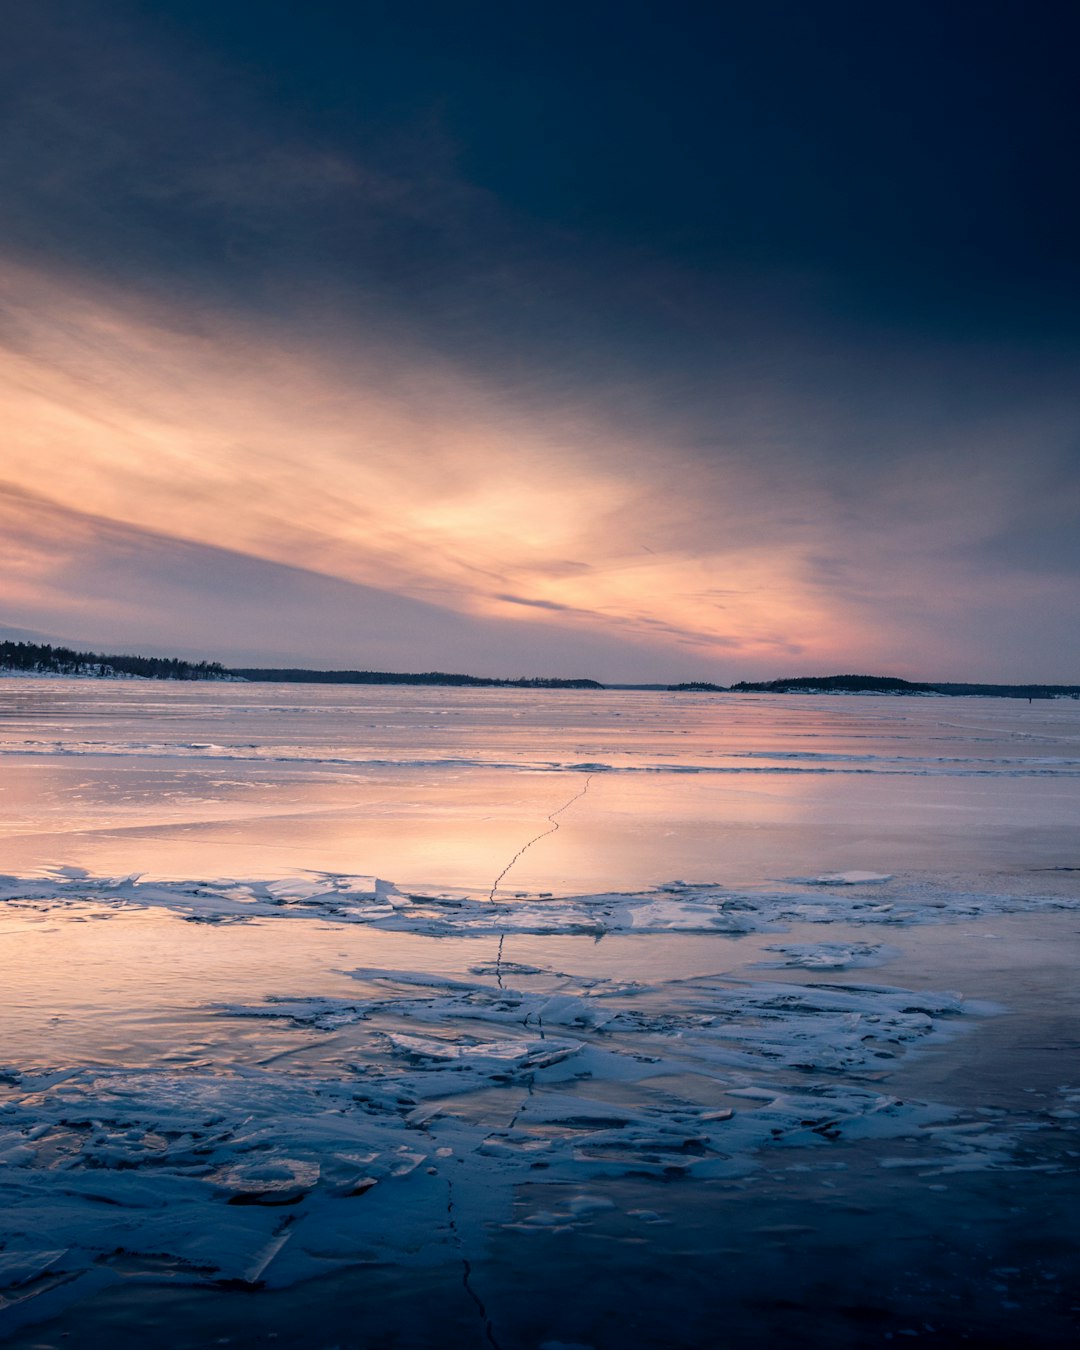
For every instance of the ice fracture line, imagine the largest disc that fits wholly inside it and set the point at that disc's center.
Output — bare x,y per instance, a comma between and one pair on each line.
466,1265
553,818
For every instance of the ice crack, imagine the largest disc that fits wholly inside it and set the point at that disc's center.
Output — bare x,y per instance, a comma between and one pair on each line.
553,819
466,1269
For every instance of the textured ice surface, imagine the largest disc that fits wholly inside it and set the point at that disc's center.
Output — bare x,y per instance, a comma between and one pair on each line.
830,955
677,907
521,1087
273,1174
844,879
589,731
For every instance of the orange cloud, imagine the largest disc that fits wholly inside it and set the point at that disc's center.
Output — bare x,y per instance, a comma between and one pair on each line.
386,468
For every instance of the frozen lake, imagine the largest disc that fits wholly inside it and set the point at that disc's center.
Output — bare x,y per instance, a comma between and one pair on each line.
536,1018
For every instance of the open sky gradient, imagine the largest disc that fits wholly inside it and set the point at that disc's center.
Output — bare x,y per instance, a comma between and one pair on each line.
643,341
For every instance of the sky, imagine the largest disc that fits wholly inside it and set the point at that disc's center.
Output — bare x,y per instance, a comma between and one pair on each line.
638,341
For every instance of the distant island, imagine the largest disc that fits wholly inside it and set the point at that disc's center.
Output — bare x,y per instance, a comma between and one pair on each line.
889,684
289,676
31,658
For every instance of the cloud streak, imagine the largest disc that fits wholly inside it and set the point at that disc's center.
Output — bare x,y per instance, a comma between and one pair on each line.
372,470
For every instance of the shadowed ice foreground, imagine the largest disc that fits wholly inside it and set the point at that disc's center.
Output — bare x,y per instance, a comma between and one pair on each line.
513,1085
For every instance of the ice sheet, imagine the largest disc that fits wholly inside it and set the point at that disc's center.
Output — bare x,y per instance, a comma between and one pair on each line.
460,1056
274,1174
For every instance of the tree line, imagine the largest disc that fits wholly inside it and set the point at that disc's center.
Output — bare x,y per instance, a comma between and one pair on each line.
890,684
296,676
44,659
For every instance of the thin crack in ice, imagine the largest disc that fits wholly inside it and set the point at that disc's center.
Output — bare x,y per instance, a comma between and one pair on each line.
423,1126
554,819
466,1268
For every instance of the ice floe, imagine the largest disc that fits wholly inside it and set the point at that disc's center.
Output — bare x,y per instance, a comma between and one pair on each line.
850,897
830,955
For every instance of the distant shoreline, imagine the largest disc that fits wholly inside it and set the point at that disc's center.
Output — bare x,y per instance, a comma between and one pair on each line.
892,685
42,661
286,675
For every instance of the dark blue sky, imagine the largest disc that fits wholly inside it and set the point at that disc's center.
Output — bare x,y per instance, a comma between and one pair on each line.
914,162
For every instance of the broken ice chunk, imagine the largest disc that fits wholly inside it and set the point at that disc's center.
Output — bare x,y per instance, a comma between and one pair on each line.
484,1056
269,1181
830,955
844,879
20,1267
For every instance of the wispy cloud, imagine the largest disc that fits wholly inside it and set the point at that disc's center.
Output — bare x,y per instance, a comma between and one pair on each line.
84,578
381,468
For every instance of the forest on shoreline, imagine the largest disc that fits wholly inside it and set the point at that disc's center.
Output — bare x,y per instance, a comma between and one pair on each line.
30,658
